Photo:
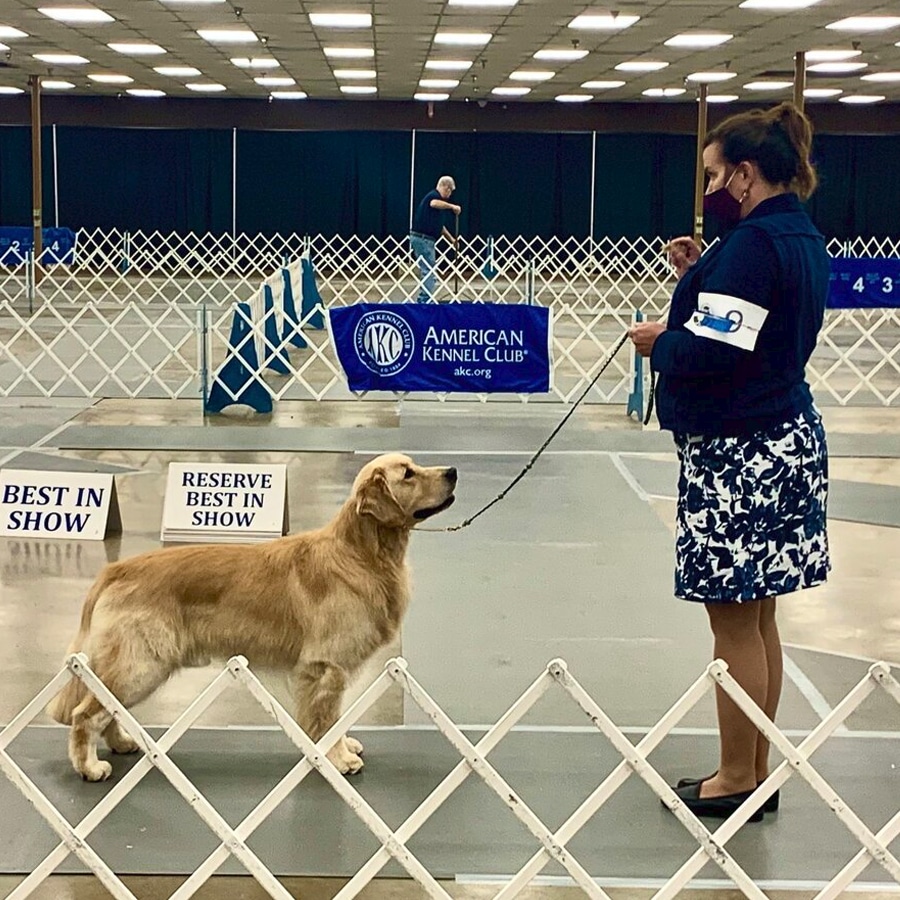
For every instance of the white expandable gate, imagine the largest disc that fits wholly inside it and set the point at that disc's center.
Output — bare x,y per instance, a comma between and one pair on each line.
551,845
150,315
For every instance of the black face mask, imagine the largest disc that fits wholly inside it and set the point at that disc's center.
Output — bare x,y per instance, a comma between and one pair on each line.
722,209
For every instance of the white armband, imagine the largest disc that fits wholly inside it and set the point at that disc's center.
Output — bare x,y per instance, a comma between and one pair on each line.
728,320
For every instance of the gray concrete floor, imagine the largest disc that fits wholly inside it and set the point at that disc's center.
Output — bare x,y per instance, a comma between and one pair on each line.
828,632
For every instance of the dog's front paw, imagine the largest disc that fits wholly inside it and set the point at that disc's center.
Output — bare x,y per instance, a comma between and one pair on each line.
98,771
344,758
353,745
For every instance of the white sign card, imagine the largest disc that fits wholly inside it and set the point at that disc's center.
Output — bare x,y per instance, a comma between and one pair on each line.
224,502
69,505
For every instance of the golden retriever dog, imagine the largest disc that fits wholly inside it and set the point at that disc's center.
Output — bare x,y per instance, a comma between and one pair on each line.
316,604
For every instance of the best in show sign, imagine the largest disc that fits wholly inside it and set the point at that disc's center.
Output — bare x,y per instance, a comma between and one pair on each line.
222,502
80,505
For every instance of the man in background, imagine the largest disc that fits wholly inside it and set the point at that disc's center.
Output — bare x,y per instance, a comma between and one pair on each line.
427,227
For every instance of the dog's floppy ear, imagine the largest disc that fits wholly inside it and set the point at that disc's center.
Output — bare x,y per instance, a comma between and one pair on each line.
376,499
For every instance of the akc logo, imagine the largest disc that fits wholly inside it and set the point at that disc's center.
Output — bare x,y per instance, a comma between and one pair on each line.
384,342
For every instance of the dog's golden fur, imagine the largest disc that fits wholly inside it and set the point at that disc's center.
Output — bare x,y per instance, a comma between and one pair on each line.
317,604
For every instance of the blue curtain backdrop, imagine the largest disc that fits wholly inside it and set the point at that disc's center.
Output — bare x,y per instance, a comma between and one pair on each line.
359,182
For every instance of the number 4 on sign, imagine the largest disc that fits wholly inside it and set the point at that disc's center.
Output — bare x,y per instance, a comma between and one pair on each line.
859,285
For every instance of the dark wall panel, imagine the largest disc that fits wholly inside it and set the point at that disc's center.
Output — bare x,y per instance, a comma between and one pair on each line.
15,176
345,183
644,186
512,184
145,179
323,182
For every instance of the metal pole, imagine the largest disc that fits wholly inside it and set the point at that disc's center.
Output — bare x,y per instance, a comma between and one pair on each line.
799,78
593,181
234,198
55,181
699,180
412,177
456,260
37,201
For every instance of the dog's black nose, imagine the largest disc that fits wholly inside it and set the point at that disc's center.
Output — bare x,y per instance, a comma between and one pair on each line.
450,475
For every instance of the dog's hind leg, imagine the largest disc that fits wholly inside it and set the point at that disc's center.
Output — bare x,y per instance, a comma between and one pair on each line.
117,740
318,690
130,683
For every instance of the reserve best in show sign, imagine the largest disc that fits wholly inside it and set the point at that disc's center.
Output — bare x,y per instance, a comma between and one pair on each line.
224,502
462,347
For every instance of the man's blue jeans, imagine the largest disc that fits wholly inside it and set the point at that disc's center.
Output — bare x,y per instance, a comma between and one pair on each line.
423,250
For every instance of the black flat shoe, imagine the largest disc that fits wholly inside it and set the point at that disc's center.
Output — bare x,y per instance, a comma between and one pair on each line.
770,806
714,807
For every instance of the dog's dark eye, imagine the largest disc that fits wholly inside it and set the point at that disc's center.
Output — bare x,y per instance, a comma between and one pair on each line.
408,473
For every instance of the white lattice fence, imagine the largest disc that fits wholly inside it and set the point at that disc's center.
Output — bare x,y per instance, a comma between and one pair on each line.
57,322
550,844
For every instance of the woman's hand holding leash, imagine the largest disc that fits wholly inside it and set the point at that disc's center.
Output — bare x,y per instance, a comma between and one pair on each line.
644,334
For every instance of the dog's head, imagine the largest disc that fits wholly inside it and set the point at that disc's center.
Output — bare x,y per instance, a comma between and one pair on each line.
398,493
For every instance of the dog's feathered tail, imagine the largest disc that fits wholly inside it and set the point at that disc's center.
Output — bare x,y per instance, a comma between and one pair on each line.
63,704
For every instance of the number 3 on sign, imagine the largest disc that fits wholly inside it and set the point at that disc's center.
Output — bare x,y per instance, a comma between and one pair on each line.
887,285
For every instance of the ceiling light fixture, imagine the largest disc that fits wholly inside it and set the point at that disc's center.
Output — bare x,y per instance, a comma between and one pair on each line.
349,52
663,92
448,65
711,77
831,55
111,79
821,93
429,96
865,23
463,38
76,15
341,20
488,4
145,92
602,85
641,65
561,55
52,84
837,68
511,91
355,73
439,83
257,62
137,49
601,22
698,40
61,59
573,98
881,76
7,31
721,98
177,71
274,80
228,35
777,5
768,85
288,95
4,89
861,99
204,87
358,88
531,75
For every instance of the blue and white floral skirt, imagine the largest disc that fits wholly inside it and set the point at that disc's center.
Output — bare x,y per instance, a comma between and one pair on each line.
751,513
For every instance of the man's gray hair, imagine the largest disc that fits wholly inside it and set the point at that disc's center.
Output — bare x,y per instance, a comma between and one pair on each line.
447,182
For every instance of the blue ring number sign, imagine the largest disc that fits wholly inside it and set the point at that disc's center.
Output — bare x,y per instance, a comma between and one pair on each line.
17,242
864,283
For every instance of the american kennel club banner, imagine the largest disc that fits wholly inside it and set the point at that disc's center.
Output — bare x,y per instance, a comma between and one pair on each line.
462,347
